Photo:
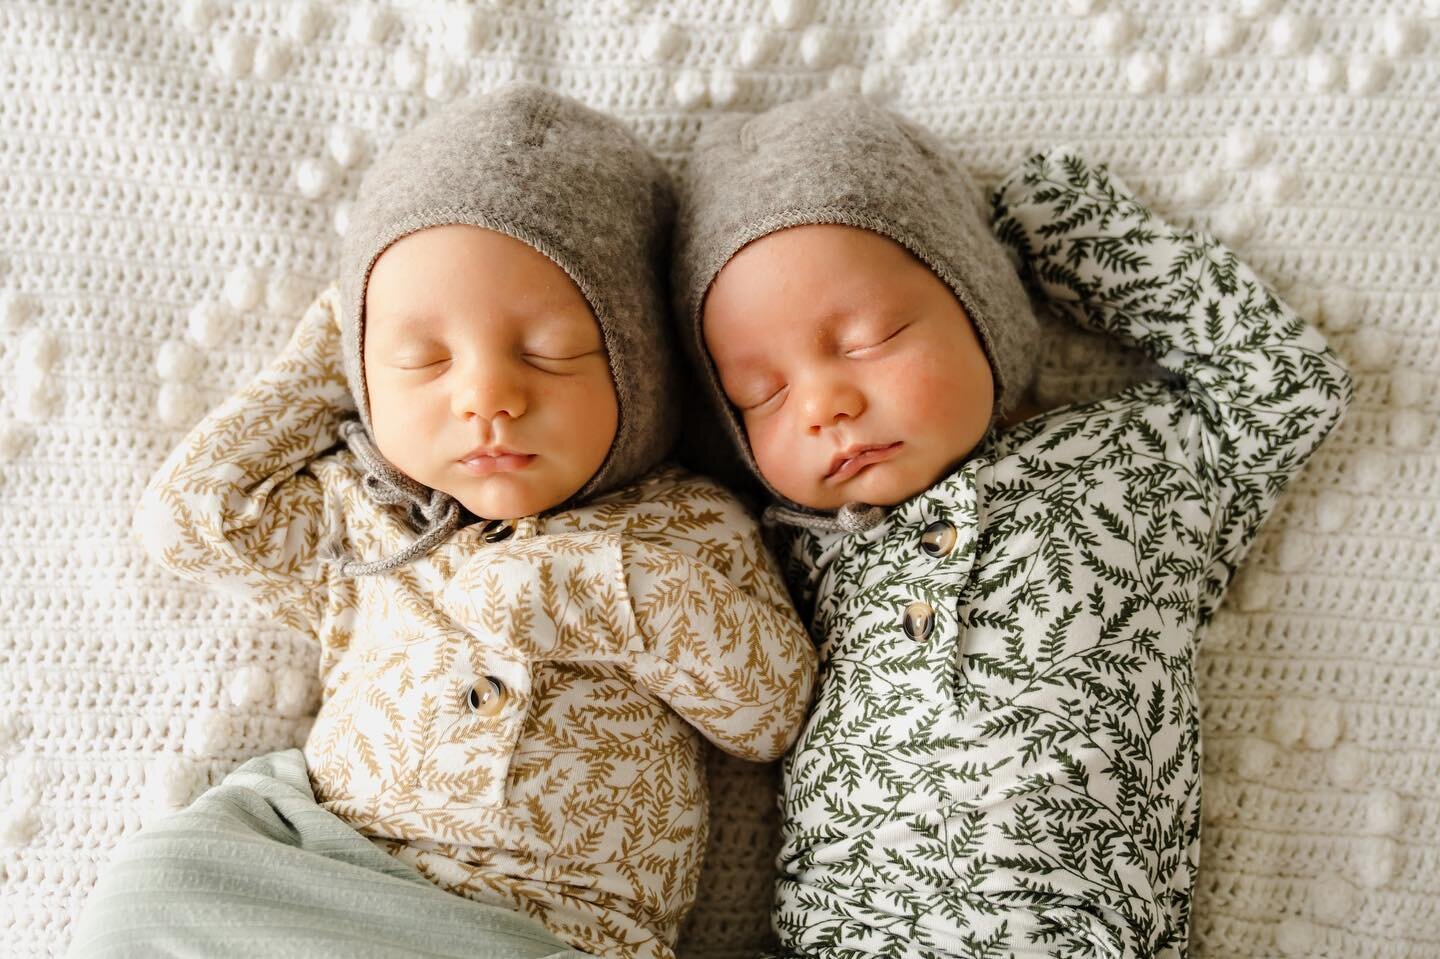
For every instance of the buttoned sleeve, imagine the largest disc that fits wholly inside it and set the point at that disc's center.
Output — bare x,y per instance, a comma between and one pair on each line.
689,603
1260,386
234,505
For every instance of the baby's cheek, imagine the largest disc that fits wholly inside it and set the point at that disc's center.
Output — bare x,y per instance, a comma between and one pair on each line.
777,462
382,413
953,408
407,425
944,411
385,416
919,385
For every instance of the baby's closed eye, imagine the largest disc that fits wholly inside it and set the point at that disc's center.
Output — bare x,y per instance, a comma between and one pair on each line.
561,360
753,392
418,361
866,340
765,400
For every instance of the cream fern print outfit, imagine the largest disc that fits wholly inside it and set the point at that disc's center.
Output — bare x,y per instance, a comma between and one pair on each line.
1004,756
519,713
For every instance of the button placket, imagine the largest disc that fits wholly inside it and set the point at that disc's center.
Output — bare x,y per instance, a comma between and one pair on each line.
918,620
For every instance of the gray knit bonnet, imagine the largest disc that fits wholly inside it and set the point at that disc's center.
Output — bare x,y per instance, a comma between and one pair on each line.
577,186
839,158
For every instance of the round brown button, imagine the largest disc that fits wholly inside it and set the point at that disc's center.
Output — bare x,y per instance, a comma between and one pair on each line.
487,697
918,621
938,539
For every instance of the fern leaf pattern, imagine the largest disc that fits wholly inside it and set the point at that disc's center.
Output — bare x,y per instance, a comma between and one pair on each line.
1015,769
619,635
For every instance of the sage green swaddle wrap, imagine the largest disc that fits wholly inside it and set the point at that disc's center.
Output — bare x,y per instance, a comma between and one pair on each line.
255,866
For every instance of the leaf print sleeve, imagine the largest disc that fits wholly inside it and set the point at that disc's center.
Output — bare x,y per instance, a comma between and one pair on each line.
233,506
1262,387
725,652
726,649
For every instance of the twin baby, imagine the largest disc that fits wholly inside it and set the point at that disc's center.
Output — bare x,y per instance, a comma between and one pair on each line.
529,619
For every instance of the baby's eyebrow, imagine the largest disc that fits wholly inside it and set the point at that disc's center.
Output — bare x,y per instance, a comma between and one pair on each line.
409,324
551,323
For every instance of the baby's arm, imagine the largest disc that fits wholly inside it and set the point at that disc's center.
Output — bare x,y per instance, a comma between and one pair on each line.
732,656
233,506
1259,381
701,620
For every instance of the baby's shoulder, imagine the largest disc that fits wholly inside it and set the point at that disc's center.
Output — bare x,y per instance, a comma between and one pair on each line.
341,476
674,485
672,497
1063,431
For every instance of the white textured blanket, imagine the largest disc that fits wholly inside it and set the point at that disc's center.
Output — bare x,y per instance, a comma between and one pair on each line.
173,180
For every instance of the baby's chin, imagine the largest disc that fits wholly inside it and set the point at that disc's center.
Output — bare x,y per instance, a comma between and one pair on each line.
505,497
506,505
535,489
873,490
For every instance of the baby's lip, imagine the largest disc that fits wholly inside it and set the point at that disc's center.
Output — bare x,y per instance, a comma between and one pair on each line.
491,451
853,459
495,459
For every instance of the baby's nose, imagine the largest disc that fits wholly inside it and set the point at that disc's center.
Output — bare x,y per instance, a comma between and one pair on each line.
489,397
827,404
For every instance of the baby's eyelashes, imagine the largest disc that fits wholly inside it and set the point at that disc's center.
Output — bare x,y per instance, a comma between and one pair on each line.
422,363
765,401
559,364
875,342
545,359
753,393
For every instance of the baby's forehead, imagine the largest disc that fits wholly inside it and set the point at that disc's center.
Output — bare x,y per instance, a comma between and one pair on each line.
823,268
458,273
839,240
824,260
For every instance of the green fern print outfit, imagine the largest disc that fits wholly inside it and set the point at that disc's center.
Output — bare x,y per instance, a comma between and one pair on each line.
1004,754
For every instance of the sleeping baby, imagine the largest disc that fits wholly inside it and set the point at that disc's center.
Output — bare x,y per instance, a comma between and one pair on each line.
527,619
1004,754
